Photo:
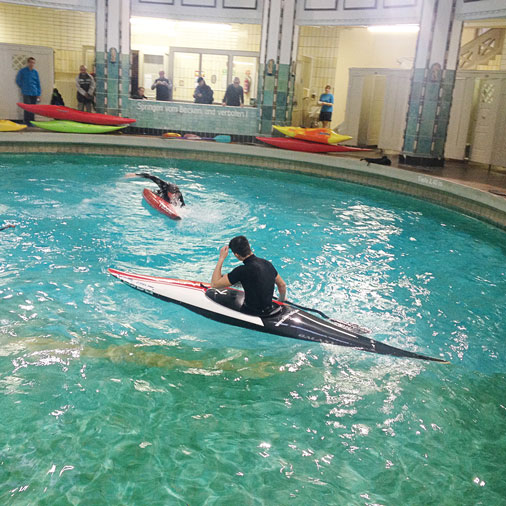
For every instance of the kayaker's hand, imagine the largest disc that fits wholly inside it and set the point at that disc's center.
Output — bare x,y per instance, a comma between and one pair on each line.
223,252
130,174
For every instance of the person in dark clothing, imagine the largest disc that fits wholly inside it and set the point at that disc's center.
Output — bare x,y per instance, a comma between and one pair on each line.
257,276
28,81
56,98
234,96
85,89
139,95
7,226
203,93
168,191
163,87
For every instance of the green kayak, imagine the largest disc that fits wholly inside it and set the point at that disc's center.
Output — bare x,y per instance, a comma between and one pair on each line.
75,127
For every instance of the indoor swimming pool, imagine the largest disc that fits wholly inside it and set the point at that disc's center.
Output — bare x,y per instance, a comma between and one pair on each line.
108,395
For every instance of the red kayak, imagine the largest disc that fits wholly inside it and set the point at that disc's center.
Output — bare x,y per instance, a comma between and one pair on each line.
306,146
66,113
160,205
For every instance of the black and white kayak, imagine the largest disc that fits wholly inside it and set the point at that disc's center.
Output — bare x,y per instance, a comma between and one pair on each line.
225,305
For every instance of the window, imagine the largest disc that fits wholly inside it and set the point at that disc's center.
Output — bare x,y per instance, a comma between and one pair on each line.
218,68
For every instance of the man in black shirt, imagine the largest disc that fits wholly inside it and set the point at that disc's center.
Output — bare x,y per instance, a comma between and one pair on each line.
168,191
85,89
203,93
257,276
234,95
163,87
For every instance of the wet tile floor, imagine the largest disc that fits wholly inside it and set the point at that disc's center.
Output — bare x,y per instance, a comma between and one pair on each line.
476,175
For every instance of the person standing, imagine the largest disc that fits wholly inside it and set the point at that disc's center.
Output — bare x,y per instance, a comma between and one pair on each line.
234,96
203,93
163,87
28,81
257,276
85,89
326,101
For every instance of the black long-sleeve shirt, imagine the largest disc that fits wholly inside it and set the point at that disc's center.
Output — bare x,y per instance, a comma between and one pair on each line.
168,191
234,95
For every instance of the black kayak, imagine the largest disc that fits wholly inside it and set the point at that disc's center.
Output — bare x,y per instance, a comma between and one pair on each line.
226,306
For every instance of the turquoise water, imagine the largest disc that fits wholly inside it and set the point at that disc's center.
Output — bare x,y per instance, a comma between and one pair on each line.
110,396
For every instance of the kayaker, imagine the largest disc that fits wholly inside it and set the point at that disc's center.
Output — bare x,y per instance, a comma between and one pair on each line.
257,277
168,191
7,226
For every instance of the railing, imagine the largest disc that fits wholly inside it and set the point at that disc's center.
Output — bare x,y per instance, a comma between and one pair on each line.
482,49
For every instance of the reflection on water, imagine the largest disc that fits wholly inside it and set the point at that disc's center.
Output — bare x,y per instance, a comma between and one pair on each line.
40,351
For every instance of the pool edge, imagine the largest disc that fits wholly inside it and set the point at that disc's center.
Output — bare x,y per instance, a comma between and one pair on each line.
465,199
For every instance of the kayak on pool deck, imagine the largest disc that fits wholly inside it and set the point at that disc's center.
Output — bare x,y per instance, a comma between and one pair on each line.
306,146
321,135
69,114
10,126
75,128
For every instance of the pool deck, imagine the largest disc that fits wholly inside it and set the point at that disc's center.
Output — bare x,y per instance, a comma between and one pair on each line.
470,188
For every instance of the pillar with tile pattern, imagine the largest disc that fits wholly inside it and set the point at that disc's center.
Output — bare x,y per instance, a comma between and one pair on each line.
112,55
432,84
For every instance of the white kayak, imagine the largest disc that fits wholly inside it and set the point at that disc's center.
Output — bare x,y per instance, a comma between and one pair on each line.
225,305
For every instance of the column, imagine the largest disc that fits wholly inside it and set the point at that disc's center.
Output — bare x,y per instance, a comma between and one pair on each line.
276,80
112,55
432,84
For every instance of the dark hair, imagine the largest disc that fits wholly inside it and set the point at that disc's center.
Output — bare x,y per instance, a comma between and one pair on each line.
240,246
31,58
200,79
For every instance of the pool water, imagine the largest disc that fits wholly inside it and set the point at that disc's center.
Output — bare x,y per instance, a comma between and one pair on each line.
108,395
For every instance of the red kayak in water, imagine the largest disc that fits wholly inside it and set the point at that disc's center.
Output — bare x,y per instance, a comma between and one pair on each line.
67,113
160,205
307,146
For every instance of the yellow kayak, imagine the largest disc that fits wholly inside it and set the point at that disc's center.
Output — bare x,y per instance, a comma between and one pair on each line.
10,126
321,135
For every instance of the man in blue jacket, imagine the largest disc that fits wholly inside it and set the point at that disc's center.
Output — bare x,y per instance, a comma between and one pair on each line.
29,82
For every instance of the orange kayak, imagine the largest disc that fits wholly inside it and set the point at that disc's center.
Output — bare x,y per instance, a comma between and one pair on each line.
321,135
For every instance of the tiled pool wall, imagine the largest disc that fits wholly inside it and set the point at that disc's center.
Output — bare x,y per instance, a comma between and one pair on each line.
470,201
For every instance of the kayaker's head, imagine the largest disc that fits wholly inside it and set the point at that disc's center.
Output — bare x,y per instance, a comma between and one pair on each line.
236,82
240,247
30,62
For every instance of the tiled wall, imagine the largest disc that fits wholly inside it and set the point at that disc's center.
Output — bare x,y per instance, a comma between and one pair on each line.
67,32
157,36
322,44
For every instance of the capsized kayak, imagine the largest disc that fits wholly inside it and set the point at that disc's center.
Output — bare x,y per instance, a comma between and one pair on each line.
306,146
160,205
224,305
67,113
10,126
321,135
75,127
